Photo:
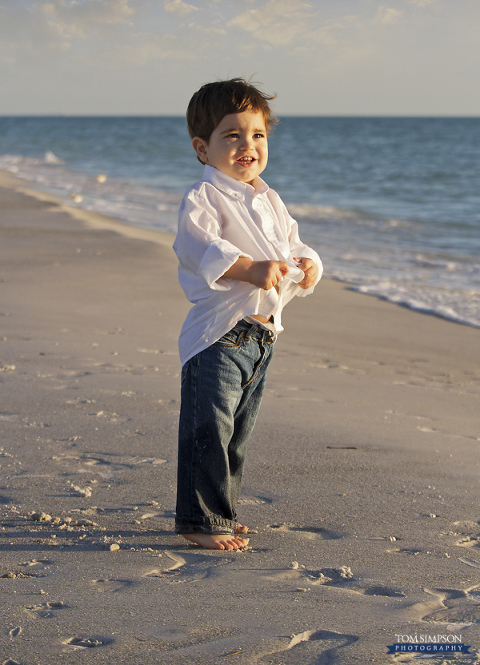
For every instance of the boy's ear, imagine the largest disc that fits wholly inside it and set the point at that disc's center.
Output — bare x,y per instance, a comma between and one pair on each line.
200,146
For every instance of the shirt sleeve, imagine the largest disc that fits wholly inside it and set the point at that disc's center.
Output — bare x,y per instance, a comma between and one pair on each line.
199,246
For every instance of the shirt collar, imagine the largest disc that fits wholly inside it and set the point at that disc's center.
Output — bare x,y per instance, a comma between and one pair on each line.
231,186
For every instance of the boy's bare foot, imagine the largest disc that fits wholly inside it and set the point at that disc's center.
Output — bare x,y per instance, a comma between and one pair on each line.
216,541
240,528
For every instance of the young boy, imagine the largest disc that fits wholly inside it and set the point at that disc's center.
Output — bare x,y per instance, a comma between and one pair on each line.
240,261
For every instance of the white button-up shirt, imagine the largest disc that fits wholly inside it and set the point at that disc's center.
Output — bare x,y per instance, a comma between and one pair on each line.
220,220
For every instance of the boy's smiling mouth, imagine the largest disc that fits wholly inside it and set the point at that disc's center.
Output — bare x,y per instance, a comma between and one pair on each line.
245,161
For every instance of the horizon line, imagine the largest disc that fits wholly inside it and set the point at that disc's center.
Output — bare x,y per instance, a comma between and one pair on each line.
279,115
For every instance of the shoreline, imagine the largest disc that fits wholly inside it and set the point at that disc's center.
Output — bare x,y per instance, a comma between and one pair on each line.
93,219
99,220
361,481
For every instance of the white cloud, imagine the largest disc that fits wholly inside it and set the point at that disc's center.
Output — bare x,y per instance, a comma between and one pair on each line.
211,30
387,15
332,35
178,7
146,49
26,31
278,22
79,19
422,3
46,28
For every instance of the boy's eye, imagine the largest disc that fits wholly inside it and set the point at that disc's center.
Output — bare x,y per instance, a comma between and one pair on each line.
236,135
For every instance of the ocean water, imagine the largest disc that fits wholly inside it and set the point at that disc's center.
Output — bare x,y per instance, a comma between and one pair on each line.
392,205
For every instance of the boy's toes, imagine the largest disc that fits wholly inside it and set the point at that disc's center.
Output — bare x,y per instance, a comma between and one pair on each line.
240,528
240,543
233,543
216,541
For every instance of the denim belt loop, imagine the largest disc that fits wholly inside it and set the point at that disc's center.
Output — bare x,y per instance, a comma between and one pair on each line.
256,330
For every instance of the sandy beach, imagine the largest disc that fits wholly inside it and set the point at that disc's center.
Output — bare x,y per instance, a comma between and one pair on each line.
361,486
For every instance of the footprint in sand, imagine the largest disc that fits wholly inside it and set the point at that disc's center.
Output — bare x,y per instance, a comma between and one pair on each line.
154,461
15,632
19,574
309,531
88,463
455,605
469,532
46,610
254,500
111,585
379,590
187,567
103,464
80,643
469,541
342,578
311,646
38,564
173,562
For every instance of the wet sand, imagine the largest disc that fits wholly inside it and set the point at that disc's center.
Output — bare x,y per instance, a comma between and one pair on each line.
361,483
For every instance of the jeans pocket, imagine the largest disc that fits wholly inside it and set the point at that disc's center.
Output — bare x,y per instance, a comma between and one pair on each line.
233,339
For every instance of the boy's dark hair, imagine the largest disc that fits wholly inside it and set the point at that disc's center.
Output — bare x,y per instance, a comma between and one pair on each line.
214,101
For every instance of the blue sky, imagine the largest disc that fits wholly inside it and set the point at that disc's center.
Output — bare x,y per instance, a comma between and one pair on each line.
324,57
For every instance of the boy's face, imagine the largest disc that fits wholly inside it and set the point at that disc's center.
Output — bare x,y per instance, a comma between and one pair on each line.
238,146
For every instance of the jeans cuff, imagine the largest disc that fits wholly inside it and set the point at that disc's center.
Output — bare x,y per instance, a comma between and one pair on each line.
214,525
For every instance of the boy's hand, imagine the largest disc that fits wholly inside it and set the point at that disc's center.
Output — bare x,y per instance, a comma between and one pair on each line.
262,274
310,269
267,274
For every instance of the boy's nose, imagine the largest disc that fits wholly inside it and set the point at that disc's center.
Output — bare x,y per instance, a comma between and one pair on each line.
245,143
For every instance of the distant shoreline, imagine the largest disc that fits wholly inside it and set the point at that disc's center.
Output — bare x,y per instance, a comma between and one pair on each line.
280,115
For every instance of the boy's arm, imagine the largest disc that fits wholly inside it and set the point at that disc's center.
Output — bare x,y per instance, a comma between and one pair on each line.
262,274
201,250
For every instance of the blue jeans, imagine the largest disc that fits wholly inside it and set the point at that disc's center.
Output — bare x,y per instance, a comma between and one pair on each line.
222,388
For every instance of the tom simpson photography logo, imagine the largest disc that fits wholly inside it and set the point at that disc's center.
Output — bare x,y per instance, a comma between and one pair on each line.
428,644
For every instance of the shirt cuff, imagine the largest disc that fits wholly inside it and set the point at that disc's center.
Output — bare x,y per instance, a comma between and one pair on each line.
219,257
